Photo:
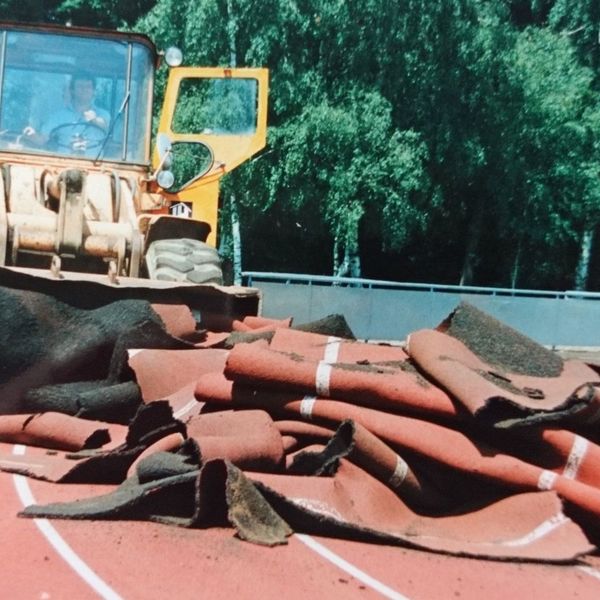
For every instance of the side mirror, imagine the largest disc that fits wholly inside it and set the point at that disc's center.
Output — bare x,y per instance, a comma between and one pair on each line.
189,162
164,150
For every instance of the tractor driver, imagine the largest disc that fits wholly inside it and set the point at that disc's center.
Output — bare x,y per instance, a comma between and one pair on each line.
80,125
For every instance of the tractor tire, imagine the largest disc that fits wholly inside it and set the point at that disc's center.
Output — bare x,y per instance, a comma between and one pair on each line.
183,260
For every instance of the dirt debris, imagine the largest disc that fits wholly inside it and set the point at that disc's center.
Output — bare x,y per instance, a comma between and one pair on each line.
499,344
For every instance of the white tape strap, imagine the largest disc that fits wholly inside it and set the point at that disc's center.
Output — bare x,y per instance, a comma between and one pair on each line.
307,406
322,379
399,474
546,480
576,456
332,349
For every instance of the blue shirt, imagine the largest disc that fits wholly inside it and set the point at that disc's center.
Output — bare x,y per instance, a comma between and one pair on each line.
75,126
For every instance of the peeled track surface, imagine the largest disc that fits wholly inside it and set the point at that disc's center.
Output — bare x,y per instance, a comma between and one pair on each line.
184,260
149,561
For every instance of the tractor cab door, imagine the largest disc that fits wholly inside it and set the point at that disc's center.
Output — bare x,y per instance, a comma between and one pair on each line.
213,119
218,115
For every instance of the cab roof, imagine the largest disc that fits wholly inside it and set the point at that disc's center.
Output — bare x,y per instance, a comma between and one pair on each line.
107,34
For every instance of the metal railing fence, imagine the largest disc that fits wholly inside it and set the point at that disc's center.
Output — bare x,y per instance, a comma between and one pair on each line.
386,310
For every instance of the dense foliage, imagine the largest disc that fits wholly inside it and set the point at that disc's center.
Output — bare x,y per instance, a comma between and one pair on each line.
450,141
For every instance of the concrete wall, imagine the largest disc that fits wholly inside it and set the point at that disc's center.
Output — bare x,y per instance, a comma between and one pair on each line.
385,311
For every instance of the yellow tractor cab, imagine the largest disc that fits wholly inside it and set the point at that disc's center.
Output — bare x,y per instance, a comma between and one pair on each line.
85,187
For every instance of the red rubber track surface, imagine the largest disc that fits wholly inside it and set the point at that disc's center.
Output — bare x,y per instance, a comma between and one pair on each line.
147,561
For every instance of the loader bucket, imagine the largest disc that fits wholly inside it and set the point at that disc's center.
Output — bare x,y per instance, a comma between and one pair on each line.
214,306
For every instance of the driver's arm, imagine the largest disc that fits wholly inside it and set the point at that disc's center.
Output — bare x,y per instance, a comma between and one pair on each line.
91,116
40,137
37,138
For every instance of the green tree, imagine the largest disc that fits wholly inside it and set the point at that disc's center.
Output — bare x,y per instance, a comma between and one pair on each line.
339,163
554,144
91,13
390,119
109,14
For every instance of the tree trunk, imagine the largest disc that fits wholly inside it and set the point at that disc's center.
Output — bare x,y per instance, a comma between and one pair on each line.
336,254
473,237
237,241
350,266
354,263
232,28
235,219
583,266
519,253
516,264
341,270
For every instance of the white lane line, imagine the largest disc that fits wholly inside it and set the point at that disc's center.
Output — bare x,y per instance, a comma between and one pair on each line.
60,545
355,572
590,571
543,529
184,410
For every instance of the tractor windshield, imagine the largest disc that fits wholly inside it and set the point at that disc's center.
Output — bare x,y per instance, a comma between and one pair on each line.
74,95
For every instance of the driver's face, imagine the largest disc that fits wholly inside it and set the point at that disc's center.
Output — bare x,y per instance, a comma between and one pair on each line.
83,92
